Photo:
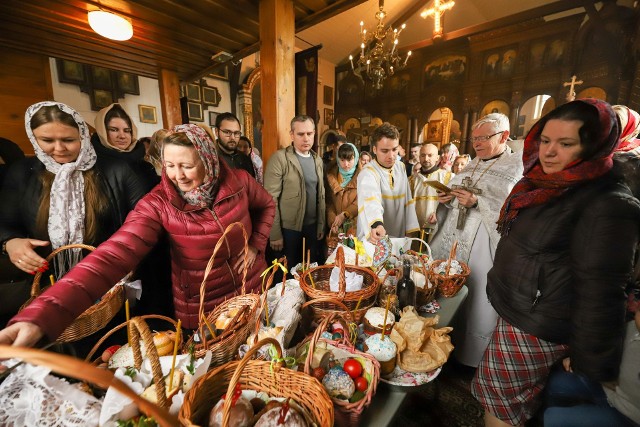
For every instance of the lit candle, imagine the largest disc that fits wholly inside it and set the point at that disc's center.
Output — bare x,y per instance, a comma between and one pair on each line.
368,65
175,353
362,47
407,58
351,60
361,26
393,48
126,311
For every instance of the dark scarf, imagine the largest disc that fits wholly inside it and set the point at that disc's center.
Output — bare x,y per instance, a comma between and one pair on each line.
536,187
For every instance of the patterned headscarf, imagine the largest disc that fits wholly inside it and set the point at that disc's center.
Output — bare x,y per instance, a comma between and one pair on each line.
630,127
537,187
66,203
449,153
205,193
347,175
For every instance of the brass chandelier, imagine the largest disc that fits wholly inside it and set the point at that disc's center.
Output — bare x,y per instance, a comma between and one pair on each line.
382,60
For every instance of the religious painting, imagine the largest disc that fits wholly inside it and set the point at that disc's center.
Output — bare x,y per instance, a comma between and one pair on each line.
349,124
328,117
328,95
399,84
491,65
100,98
195,111
349,88
101,78
445,69
556,52
147,114
127,83
593,92
71,72
500,63
434,131
210,95
193,92
536,55
508,62
495,106
365,120
375,122
213,115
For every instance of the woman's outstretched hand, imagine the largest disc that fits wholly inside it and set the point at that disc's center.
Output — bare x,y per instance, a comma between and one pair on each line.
23,256
22,334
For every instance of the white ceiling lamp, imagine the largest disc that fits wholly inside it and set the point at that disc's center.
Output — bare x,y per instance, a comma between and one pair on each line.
110,25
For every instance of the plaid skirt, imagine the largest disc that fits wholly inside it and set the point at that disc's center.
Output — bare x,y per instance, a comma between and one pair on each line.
513,372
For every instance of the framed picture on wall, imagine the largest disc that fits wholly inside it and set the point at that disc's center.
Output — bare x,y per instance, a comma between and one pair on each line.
127,83
101,78
71,72
193,92
328,117
213,115
328,95
210,95
147,114
195,111
100,98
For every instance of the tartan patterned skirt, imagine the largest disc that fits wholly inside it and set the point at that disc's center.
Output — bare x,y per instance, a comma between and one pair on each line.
513,373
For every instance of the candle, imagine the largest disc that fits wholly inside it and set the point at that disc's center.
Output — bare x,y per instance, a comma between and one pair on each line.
407,58
386,312
368,65
52,280
304,242
351,60
421,239
357,307
362,47
395,43
308,259
211,330
175,353
361,26
126,311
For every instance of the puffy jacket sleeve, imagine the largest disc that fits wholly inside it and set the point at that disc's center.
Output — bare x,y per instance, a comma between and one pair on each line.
273,179
262,209
602,254
57,307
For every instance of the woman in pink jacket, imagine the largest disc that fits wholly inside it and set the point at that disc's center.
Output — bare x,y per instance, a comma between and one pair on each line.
198,197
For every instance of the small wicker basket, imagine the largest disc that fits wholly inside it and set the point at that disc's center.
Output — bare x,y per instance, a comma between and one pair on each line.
225,346
95,317
268,377
315,284
427,293
449,285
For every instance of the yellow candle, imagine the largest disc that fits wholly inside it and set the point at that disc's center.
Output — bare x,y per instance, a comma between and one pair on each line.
384,322
175,353
304,242
421,238
357,307
52,280
206,322
126,310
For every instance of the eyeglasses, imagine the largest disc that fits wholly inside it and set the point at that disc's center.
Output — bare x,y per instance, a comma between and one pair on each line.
228,133
485,137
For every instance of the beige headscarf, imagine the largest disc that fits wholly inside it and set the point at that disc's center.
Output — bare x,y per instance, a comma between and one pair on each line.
101,130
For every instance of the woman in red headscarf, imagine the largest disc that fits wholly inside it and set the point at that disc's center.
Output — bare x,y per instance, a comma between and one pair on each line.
569,232
198,197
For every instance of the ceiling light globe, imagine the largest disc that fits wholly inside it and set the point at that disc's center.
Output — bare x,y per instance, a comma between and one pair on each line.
110,25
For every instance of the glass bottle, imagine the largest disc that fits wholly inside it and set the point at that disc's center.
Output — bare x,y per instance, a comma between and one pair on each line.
406,288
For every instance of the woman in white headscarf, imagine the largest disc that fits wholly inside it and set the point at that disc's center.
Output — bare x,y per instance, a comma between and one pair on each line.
61,196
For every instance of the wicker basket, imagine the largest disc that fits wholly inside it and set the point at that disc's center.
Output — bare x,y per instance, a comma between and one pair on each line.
347,414
95,317
103,378
225,346
268,377
425,294
315,284
100,342
449,285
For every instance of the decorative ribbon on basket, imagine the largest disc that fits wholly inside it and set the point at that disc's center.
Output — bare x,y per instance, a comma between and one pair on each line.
448,284
347,413
225,345
315,284
74,368
95,317
256,375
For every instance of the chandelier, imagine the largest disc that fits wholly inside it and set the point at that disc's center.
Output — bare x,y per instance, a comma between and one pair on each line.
381,60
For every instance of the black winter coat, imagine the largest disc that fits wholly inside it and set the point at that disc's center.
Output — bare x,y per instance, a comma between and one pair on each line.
561,272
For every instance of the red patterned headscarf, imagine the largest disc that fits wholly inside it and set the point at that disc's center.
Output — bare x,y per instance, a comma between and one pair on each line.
205,193
536,187
629,128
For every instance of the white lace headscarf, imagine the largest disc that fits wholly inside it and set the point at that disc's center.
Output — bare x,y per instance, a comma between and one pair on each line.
66,203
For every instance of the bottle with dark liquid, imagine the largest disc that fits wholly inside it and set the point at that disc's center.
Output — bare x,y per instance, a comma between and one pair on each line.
406,288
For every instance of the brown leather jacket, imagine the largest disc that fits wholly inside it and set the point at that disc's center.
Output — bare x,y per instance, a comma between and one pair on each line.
341,199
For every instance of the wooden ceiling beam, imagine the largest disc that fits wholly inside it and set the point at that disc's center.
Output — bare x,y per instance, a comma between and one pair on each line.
330,11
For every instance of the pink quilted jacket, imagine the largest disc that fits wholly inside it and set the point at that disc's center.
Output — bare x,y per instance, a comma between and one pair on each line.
193,233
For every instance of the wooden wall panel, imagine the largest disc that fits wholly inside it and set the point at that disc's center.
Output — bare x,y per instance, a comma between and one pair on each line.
24,79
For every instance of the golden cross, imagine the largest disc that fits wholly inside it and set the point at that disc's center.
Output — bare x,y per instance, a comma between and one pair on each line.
572,93
437,11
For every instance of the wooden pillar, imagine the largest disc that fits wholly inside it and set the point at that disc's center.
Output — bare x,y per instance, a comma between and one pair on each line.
170,98
277,39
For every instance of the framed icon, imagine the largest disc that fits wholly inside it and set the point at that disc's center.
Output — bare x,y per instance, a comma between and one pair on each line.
193,92
195,111
147,114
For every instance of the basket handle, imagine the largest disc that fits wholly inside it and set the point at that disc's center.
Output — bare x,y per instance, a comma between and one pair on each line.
452,255
265,294
342,281
123,325
223,239
72,367
138,329
236,375
324,324
35,287
333,301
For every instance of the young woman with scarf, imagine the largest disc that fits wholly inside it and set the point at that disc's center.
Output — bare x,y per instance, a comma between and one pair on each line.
115,141
569,232
341,182
198,198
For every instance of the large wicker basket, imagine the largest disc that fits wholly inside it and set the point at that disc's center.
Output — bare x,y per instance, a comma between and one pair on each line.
425,294
103,378
449,284
95,317
347,414
268,377
224,346
315,284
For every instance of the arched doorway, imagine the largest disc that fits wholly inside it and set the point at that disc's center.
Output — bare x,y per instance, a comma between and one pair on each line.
438,128
530,112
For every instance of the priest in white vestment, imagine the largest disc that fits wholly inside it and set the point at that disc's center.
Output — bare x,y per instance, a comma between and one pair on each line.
385,203
468,214
425,195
